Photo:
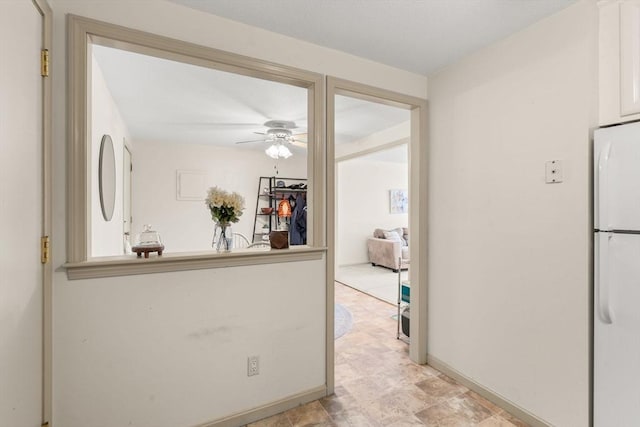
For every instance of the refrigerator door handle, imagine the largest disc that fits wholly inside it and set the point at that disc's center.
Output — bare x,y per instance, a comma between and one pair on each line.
602,188
601,277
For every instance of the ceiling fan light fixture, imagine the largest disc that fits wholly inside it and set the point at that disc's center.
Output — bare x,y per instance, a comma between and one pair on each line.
272,151
278,151
284,152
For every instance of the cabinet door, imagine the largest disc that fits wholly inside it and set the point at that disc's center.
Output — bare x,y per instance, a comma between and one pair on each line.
629,58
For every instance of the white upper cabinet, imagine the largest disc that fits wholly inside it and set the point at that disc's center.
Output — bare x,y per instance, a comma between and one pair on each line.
619,57
630,58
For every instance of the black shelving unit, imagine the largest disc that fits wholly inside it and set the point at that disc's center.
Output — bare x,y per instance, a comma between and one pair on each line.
269,195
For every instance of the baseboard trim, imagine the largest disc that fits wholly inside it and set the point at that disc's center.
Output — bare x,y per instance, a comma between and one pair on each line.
491,396
269,409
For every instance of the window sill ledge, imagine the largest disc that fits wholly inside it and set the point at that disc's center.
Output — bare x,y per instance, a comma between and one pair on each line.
127,265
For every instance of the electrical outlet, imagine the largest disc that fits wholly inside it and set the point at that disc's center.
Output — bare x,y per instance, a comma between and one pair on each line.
253,365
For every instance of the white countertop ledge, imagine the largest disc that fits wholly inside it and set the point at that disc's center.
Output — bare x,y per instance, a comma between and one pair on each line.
126,265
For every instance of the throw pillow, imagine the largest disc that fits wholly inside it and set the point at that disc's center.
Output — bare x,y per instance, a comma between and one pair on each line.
378,233
392,235
400,232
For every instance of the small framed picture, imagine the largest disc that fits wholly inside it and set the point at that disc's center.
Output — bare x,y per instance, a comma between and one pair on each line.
398,201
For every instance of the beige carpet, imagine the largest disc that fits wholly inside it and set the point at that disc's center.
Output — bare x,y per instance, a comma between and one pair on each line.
378,282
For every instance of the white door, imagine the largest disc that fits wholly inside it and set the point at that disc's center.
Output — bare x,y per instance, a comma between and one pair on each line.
616,355
617,178
21,214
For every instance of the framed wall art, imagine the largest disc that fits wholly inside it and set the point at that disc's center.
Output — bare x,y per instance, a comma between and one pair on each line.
398,201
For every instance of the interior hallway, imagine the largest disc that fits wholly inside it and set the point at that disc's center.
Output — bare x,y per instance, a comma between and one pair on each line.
377,385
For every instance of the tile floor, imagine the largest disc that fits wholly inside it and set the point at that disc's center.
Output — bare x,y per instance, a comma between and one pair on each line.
377,385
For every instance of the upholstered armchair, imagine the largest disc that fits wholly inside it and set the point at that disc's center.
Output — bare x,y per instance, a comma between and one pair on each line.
389,248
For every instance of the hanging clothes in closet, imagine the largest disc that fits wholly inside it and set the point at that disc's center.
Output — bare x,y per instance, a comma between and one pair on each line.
298,227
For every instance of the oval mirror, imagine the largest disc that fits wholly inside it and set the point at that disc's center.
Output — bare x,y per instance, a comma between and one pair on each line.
107,177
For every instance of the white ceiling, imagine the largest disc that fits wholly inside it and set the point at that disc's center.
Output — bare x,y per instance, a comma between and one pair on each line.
421,36
166,101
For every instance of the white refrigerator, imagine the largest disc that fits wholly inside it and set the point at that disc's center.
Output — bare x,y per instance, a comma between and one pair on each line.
616,296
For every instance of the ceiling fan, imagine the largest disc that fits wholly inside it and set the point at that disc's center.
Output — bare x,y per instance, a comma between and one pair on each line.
279,132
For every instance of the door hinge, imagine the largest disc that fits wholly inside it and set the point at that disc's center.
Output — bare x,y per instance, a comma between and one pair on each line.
44,62
45,424
44,249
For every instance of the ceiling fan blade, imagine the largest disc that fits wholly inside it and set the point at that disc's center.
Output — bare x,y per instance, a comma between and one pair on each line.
299,144
302,137
253,140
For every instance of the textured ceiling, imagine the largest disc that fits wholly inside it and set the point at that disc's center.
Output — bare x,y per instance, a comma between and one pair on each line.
421,36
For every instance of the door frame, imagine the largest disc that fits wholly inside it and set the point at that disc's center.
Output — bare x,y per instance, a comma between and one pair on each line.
47,208
418,196
126,151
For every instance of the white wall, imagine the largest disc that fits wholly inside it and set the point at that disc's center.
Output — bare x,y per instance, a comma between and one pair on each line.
106,236
509,279
125,351
187,225
362,205
171,349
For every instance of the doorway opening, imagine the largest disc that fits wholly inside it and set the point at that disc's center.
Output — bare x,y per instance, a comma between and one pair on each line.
348,162
371,193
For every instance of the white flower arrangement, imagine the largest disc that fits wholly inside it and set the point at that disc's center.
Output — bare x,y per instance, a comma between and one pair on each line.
225,207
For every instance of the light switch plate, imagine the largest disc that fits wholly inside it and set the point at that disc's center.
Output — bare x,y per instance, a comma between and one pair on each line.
553,171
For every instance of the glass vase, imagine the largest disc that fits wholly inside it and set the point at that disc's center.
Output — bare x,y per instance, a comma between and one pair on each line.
222,237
